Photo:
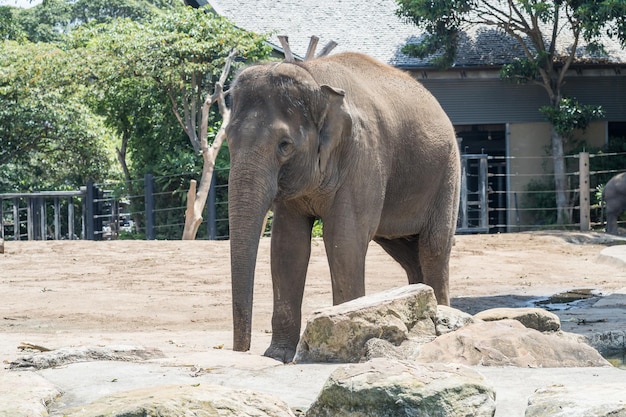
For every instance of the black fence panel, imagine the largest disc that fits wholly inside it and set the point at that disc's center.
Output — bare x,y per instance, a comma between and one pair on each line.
492,201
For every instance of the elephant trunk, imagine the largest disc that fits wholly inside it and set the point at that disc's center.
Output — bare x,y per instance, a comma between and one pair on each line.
249,199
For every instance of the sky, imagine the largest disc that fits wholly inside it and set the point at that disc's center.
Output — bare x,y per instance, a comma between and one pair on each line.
20,3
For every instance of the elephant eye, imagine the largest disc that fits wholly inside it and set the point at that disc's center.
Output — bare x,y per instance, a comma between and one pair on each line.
285,147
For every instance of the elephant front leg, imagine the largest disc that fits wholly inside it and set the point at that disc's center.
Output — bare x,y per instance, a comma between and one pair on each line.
290,253
346,243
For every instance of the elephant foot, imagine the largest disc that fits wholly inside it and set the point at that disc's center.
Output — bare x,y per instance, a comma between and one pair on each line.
280,353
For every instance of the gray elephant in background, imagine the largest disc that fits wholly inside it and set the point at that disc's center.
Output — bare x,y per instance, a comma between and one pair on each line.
614,196
356,143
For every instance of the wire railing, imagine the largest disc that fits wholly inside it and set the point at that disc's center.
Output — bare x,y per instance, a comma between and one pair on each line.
519,196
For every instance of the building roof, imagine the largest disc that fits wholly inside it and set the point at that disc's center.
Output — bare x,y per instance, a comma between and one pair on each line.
371,27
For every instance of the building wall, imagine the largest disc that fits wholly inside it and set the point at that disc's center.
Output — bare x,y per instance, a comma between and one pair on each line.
481,98
490,100
529,159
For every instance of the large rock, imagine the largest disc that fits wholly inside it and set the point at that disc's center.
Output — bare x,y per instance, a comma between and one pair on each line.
387,388
602,400
450,319
25,394
533,318
339,333
201,400
509,343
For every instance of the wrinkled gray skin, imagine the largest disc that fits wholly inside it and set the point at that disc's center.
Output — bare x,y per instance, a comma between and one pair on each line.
614,195
351,141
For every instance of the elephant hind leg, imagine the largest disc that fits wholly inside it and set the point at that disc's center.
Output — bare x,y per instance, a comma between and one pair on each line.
405,251
425,262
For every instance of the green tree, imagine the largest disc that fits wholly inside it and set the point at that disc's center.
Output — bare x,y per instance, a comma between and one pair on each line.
10,28
50,20
180,52
48,137
537,26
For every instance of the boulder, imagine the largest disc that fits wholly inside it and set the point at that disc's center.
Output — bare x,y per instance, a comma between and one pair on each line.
379,348
199,400
386,388
602,400
25,394
533,318
450,319
339,333
509,343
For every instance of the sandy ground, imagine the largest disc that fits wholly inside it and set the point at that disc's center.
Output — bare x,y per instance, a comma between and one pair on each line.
175,295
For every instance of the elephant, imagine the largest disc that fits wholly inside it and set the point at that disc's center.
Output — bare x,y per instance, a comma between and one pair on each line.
614,196
356,143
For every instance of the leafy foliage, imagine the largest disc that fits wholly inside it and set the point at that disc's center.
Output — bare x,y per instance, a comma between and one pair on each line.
149,80
86,83
539,199
48,137
569,115
442,21
10,28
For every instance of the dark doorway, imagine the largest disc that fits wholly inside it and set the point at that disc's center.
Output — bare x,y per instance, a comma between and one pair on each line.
489,140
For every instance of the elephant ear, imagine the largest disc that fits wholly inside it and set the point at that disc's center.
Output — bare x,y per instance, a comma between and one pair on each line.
335,124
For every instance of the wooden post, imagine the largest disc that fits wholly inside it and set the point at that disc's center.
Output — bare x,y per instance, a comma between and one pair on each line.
284,42
585,195
326,49
310,53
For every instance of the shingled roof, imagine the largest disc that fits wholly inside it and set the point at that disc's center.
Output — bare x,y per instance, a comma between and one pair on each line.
371,27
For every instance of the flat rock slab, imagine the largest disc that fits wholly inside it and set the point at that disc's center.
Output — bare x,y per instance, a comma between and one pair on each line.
387,388
198,400
603,400
25,394
533,318
514,386
509,343
65,356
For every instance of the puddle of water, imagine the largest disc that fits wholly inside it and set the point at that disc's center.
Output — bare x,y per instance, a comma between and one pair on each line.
573,299
618,359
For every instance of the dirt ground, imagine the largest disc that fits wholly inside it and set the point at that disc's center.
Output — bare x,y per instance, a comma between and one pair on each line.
175,295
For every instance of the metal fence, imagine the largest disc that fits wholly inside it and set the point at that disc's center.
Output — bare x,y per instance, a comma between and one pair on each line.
499,194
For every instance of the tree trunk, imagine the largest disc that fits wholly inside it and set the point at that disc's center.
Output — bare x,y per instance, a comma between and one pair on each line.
197,200
196,203
121,157
560,178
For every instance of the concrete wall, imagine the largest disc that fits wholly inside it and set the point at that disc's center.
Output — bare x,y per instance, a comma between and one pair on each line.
529,152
